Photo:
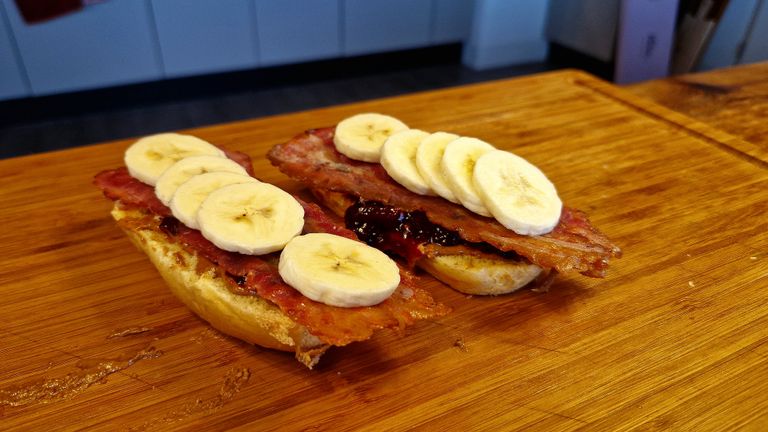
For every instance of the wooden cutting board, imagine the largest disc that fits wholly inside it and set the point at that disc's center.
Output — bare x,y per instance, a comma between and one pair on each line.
674,338
733,99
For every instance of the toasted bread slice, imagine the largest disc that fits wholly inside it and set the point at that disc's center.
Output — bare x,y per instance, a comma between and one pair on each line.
205,291
480,275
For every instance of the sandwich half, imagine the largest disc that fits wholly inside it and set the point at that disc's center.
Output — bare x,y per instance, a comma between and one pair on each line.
472,253
244,295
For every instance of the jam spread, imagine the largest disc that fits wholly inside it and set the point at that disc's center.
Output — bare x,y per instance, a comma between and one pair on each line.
169,225
397,231
401,232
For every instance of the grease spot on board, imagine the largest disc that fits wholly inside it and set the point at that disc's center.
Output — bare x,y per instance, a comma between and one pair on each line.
207,334
233,382
91,371
130,331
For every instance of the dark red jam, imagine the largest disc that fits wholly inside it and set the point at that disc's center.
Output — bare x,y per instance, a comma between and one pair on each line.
170,225
401,232
239,280
397,231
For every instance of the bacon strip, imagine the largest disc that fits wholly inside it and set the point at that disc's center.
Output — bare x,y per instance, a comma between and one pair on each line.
573,246
243,159
259,274
118,185
317,221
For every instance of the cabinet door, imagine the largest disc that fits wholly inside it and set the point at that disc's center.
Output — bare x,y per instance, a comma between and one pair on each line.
723,47
383,25
757,45
12,80
506,32
452,20
104,44
200,36
292,31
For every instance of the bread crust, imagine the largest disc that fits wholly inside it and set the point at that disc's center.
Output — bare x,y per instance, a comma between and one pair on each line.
204,290
480,275
484,274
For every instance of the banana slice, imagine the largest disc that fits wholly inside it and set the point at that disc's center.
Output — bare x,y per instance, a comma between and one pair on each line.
428,158
188,197
458,164
338,271
517,193
186,168
150,156
361,136
398,157
251,218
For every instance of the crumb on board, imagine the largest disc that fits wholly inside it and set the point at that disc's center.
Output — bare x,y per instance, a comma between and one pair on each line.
130,331
459,343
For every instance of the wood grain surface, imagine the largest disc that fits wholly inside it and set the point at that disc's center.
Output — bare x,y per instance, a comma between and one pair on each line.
673,339
733,99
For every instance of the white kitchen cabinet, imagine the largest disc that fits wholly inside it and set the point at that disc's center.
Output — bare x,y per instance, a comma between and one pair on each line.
130,41
372,26
102,45
200,36
452,20
292,31
12,79
756,48
506,32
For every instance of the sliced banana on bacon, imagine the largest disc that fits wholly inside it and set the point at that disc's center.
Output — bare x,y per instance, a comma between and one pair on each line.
398,157
250,218
190,195
187,168
338,271
517,193
361,136
429,157
505,186
149,157
458,164
238,213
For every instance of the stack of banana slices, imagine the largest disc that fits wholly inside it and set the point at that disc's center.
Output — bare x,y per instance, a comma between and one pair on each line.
463,170
236,212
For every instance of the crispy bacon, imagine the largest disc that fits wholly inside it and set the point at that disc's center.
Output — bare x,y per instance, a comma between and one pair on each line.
340,326
243,159
259,274
316,220
573,246
118,185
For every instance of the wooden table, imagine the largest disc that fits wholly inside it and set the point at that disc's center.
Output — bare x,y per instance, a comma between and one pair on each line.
733,99
673,339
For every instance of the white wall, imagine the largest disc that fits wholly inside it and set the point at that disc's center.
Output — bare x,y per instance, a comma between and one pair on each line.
106,44
128,41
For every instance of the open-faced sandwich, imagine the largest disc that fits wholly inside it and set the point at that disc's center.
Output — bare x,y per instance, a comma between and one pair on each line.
254,261
482,220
